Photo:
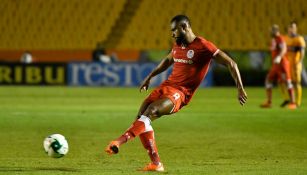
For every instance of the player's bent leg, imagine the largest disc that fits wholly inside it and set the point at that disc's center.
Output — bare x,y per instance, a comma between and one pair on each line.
142,109
155,110
143,124
158,108
113,147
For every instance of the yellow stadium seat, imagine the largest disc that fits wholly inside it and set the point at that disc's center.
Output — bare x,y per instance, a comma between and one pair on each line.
75,24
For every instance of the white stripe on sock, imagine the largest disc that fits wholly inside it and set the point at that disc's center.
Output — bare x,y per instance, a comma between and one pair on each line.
147,123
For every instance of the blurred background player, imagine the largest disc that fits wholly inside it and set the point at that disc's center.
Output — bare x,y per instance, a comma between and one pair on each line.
280,70
295,54
191,56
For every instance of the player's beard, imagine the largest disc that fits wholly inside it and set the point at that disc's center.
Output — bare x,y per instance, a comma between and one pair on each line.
180,40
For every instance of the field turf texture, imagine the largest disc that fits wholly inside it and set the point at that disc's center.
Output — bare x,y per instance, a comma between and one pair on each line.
212,135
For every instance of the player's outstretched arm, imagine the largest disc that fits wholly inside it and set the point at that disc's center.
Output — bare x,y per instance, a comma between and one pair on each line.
164,64
224,59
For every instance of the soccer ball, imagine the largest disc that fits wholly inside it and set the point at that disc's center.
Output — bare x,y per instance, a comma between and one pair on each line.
56,145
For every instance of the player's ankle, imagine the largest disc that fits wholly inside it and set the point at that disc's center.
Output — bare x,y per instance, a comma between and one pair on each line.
156,163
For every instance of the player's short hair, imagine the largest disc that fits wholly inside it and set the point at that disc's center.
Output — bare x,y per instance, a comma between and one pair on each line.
179,18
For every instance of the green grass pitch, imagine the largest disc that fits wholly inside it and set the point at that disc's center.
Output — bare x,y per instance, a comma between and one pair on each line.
212,135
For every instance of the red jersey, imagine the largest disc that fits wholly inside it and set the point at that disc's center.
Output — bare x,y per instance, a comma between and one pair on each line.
191,65
276,45
279,71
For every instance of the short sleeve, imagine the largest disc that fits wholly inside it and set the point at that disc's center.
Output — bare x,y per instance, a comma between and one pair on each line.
211,48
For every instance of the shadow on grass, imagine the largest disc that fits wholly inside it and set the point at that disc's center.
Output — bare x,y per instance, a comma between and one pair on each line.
29,169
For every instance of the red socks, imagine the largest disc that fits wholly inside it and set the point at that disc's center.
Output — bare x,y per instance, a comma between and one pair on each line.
142,127
149,143
138,127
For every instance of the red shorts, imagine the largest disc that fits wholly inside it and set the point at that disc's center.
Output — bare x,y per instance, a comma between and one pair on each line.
175,95
280,72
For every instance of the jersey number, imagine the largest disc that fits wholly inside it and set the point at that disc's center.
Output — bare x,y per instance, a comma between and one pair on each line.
176,96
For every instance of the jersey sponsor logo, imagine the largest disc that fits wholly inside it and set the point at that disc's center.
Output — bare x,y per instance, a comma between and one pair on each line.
190,54
183,61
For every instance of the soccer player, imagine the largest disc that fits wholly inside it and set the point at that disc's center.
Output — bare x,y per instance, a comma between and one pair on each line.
295,54
191,56
280,69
